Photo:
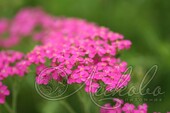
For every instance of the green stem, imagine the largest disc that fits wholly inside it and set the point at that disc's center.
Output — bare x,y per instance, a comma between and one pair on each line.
14,100
8,108
69,108
14,95
84,101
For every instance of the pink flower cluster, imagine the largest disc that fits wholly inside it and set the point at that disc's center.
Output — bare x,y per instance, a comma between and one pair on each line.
121,107
3,93
22,25
69,44
11,63
77,46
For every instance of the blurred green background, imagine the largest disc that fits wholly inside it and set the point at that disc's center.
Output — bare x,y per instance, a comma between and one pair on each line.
145,22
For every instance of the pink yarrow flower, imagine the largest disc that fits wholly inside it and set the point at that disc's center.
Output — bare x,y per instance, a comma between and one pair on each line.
121,107
3,93
12,63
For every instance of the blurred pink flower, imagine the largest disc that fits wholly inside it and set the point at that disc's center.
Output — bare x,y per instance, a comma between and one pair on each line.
3,93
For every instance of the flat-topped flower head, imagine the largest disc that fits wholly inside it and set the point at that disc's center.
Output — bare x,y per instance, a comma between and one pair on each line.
12,63
74,45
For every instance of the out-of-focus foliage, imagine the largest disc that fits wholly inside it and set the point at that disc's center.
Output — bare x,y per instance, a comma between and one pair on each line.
145,22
